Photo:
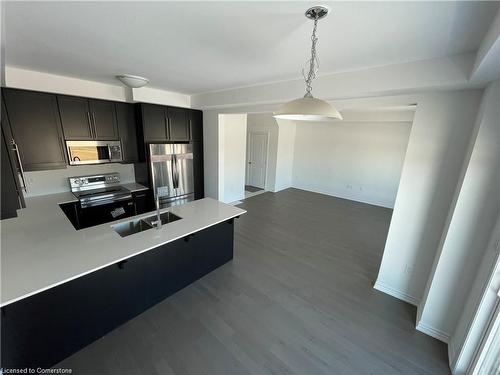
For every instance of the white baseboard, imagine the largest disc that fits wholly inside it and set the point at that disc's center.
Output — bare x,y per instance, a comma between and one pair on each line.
422,327
452,359
344,196
396,293
433,332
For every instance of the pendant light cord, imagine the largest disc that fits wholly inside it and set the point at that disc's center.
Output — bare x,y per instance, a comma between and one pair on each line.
313,62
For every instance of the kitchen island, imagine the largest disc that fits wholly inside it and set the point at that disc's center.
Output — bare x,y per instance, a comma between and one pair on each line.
63,288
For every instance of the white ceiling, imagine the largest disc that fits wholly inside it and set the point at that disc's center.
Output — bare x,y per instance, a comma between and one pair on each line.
194,47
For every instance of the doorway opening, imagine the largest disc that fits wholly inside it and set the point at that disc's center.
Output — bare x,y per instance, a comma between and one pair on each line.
249,161
256,162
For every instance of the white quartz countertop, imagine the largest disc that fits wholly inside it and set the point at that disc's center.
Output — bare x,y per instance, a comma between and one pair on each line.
41,249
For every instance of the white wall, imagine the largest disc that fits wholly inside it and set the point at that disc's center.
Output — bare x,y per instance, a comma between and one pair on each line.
265,122
487,64
232,156
2,43
285,154
39,81
439,137
357,160
211,153
427,75
156,96
56,181
470,226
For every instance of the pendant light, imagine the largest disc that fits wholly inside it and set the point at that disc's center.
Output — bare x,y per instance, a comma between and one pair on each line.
310,108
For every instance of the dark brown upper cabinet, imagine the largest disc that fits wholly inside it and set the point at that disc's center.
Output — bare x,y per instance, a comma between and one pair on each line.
10,188
75,117
104,119
154,122
125,116
196,125
87,119
35,129
161,123
178,124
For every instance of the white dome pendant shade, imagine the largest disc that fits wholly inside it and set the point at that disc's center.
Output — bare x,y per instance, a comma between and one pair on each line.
131,81
310,108
307,109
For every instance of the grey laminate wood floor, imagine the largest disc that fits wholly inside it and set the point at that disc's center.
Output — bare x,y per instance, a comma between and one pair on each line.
296,299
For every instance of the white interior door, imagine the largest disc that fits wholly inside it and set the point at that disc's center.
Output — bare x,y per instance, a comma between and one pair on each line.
257,159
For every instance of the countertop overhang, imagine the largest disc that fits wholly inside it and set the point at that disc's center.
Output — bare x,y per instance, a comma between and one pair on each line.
41,249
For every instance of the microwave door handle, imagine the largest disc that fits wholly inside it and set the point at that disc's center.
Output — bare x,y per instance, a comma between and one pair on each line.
109,152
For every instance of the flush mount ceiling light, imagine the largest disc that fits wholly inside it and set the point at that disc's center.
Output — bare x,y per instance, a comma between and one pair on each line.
310,108
132,81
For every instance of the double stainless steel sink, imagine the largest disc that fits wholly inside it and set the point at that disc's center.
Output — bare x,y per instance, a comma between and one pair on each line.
140,225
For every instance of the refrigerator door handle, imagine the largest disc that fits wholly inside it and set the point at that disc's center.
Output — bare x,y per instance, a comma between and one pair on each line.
175,172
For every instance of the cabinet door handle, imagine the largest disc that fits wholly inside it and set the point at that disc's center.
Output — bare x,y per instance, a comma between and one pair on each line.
18,156
63,149
90,125
186,238
95,127
190,131
169,130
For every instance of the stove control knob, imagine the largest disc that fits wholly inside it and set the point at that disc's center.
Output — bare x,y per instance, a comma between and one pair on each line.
78,181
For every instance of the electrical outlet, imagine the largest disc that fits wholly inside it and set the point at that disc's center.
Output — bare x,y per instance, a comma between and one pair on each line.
348,186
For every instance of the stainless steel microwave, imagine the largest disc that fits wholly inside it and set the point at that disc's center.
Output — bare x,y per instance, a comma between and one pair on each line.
93,152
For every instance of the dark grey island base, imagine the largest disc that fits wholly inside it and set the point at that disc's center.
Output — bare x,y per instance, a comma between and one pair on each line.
43,329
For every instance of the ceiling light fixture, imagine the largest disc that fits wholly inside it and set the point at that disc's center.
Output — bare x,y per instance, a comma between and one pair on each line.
132,81
310,108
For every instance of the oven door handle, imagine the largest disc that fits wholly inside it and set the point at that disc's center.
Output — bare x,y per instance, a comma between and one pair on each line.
99,202
123,198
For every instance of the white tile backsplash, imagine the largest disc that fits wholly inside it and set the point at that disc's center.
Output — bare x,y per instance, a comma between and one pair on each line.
56,180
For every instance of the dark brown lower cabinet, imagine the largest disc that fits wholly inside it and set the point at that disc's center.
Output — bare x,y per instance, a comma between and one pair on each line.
42,330
142,201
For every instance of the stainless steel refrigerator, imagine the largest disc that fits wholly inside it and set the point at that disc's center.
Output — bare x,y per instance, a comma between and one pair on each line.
171,168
